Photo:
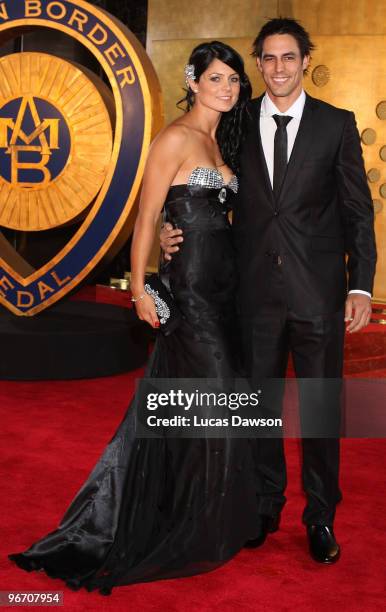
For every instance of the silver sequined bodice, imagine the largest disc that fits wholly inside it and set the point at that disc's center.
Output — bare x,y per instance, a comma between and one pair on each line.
212,178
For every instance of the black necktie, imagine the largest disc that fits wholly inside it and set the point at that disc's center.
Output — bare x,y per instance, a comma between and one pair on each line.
280,152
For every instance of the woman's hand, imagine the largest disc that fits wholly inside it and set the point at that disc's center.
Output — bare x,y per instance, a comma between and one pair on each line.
146,310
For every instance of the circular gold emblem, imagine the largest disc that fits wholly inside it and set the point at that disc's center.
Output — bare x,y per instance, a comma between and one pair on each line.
320,75
373,175
368,136
55,141
381,110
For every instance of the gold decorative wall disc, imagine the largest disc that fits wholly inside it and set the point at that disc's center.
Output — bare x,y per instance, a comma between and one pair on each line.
320,75
381,110
368,136
373,175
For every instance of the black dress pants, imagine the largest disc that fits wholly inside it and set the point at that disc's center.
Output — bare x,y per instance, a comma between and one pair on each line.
316,345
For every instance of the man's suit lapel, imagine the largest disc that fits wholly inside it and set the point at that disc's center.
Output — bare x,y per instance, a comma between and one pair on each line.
301,146
257,153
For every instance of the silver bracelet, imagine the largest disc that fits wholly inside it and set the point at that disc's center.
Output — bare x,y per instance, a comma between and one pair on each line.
140,297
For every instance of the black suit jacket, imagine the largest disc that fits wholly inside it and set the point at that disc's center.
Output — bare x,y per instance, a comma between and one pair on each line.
324,211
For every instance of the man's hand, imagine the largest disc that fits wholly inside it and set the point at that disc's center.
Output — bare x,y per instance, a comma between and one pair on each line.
358,311
169,239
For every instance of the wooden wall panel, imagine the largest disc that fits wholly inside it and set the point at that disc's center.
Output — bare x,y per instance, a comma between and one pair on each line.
337,16
196,19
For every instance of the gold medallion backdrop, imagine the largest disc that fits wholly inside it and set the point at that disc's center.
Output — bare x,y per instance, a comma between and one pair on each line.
53,201
348,67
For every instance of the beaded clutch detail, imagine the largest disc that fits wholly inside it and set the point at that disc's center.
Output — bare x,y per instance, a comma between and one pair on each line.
167,310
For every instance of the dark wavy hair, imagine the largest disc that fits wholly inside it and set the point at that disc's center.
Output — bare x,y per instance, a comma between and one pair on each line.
284,25
230,129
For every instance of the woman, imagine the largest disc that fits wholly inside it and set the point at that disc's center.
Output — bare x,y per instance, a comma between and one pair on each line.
161,508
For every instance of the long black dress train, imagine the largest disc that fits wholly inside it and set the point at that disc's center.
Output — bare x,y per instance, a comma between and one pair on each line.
163,508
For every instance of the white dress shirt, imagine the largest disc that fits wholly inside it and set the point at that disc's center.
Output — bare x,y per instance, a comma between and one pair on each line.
268,128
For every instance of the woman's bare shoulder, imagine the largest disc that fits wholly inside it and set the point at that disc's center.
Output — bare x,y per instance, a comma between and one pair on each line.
174,135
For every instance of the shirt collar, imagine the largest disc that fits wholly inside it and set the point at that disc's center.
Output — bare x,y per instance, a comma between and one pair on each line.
268,108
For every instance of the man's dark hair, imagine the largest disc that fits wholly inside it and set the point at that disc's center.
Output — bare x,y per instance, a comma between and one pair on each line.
283,25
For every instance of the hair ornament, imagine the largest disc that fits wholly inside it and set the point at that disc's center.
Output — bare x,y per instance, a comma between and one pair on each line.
189,74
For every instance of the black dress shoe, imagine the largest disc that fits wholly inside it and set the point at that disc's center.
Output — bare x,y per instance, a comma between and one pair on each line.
269,524
323,546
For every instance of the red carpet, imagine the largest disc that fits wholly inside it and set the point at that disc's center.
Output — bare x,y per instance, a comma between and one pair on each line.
47,453
52,433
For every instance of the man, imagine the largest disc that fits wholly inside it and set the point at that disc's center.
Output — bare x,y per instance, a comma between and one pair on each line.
303,204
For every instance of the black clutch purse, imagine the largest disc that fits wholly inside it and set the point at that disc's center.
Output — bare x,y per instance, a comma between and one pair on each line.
168,313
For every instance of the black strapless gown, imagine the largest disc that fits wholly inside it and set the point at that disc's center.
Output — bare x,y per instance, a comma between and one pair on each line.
162,508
